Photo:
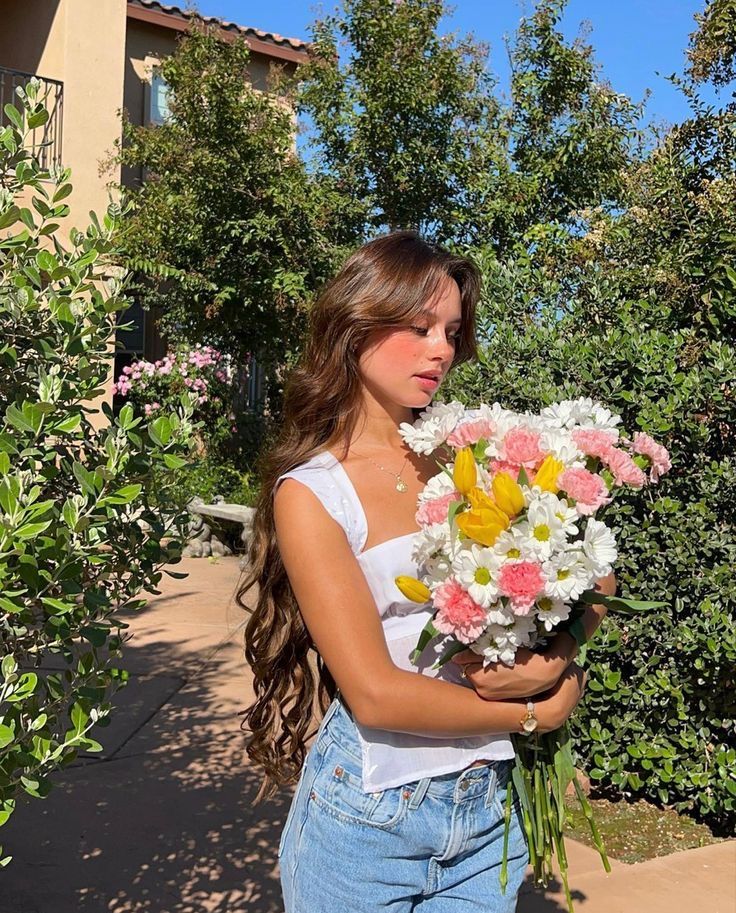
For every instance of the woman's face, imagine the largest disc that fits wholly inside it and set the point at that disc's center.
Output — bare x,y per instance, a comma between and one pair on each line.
406,365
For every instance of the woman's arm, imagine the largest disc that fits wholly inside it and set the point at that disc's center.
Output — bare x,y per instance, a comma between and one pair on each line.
342,618
534,672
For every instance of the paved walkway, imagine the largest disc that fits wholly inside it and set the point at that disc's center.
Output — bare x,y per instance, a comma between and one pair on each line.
164,821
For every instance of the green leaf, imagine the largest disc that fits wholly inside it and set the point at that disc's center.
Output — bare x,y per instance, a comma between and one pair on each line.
448,653
95,634
124,495
173,461
428,632
38,119
29,530
14,116
8,605
9,217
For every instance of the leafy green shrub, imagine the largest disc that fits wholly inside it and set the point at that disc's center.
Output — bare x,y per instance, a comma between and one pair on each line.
637,311
88,515
208,478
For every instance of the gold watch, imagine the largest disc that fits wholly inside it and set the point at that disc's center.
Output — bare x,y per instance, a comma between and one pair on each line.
529,721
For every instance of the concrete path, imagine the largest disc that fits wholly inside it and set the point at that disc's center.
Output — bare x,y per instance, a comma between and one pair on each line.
164,821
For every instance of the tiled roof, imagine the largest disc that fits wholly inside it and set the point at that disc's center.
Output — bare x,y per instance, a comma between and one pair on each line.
269,37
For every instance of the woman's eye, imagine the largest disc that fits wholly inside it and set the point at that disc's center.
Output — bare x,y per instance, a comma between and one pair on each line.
421,330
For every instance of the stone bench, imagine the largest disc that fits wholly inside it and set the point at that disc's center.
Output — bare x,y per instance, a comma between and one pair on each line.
201,541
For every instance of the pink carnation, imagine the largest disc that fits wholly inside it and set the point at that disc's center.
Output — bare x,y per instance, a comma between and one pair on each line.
521,445
471,433
624,469
522,581
588,489
658,454
512,469
593,442
458,613
435,510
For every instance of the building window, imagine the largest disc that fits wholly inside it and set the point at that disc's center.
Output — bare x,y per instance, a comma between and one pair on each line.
159,111
130,344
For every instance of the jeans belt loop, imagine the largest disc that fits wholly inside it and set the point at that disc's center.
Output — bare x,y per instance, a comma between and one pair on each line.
492,784
419,792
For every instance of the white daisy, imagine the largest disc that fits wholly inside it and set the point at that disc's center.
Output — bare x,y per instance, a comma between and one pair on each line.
431,540
542,529
432,427
561,445
599,546
551,612
500,642
565,512
439,485
435,571
568,574
513,544
476,568
583,412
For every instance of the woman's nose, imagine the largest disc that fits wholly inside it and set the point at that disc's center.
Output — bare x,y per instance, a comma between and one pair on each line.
441,345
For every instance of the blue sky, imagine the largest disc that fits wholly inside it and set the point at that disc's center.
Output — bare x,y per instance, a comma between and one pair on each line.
637,42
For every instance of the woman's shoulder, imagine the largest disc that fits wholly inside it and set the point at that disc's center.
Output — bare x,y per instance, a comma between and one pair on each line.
312,469
321,473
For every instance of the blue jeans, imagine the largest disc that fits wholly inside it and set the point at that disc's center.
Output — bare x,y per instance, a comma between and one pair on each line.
431,846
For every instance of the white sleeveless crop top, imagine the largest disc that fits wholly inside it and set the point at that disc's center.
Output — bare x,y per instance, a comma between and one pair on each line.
394,758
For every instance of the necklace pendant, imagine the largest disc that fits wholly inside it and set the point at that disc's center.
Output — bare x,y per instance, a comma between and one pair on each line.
401,485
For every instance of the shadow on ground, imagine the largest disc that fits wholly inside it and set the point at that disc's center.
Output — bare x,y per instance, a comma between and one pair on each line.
164,821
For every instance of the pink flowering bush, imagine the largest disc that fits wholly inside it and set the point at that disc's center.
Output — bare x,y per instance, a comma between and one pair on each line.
202,370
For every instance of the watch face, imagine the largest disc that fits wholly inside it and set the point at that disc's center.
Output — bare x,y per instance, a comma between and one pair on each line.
529,725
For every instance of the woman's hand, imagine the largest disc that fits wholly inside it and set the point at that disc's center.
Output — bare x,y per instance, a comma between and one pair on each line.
554,708
531,674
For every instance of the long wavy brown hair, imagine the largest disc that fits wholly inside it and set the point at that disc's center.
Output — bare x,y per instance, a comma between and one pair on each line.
384,283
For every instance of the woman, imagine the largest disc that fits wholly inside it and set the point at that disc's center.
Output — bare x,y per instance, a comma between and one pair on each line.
399,804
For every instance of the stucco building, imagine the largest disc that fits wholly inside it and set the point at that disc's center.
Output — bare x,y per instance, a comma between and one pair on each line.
95,57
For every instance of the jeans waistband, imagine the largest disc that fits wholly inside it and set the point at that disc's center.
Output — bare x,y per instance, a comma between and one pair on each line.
459,785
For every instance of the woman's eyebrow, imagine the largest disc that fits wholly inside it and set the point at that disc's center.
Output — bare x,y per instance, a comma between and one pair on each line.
431,316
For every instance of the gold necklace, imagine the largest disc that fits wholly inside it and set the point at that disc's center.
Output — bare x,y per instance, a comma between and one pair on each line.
400,483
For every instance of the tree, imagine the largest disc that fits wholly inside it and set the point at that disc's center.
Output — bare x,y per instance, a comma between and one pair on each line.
635,306
225,231
397,123
407,130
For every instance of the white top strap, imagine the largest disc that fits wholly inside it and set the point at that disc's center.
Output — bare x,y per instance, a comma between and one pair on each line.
325,476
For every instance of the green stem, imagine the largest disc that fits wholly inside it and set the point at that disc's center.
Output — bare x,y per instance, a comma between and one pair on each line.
506,828
588,812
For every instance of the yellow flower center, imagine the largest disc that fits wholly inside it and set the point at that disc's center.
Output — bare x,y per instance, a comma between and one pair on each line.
513,553
482,576
563,574
541,532
545,603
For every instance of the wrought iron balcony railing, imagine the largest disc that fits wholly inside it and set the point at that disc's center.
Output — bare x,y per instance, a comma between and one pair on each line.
45,140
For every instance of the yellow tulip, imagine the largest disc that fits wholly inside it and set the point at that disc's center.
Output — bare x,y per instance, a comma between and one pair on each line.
413,589
479,499
464,472
485,526
547,474
508,494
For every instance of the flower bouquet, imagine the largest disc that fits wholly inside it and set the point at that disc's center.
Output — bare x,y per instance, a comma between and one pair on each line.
510,550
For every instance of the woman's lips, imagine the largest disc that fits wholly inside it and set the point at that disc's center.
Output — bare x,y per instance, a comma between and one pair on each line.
428,383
